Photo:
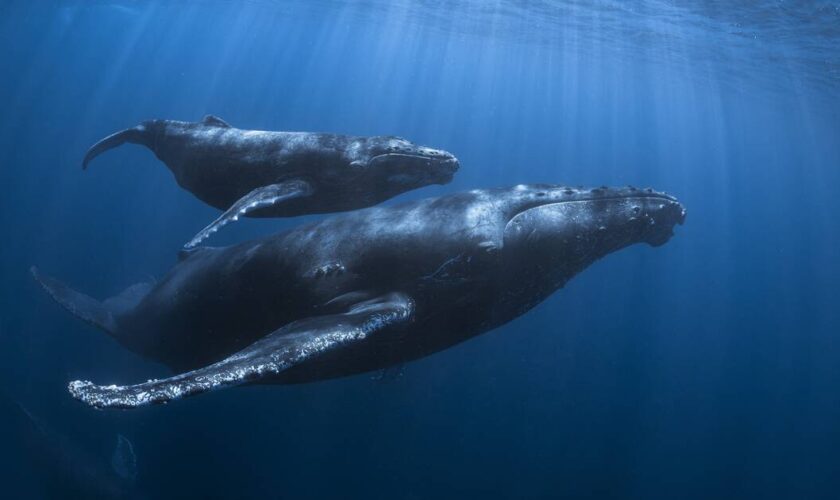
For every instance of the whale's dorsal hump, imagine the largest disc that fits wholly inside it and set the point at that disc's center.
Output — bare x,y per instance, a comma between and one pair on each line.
215,121
186,253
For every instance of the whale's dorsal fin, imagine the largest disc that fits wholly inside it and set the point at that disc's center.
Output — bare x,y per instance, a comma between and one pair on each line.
285,348
346,300
185,253
215,121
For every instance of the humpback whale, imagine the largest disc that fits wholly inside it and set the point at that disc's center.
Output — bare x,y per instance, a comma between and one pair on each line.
258,173
365,290
63,465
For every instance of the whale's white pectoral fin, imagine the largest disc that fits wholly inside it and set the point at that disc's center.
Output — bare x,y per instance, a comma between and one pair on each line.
285,348
261,197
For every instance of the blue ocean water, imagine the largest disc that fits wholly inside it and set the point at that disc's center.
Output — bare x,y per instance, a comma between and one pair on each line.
707,368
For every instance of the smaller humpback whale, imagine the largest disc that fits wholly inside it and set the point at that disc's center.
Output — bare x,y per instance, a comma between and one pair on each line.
362,291
258,173
64,466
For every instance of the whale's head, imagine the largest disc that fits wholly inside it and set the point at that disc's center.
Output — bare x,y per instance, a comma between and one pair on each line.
556,232
403,165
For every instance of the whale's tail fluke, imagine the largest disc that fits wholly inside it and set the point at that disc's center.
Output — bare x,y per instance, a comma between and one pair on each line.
80,305
134,135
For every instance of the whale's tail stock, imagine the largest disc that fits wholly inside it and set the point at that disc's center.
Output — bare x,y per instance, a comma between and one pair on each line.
80,305
135,135
99,314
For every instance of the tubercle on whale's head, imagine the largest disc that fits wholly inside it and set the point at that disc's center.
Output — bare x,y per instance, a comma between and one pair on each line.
566,229
405,165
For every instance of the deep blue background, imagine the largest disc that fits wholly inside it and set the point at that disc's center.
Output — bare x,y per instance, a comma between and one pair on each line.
709,367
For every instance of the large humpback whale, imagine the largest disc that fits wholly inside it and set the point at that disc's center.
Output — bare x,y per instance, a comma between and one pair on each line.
257,173
363,291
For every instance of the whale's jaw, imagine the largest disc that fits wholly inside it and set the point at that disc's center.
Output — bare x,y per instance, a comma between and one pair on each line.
561,238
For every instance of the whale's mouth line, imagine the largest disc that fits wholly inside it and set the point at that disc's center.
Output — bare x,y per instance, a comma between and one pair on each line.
430,159
625,197
633,196
639,196
436,170
385,156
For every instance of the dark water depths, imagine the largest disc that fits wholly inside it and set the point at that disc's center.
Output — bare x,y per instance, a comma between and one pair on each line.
707,368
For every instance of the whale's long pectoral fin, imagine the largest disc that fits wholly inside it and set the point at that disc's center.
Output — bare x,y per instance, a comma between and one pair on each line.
285,348
261,197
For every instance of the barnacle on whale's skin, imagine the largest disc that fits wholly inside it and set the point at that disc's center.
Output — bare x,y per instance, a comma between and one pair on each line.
364,291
